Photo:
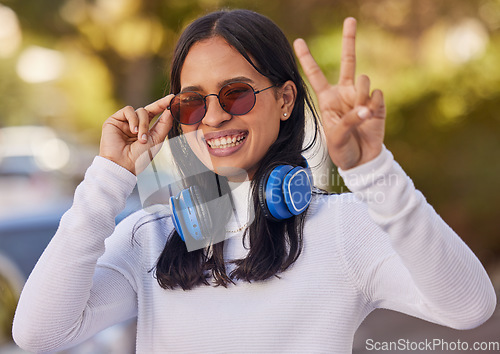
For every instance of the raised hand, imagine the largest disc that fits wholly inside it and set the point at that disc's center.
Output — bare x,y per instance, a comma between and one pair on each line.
127,139
353,119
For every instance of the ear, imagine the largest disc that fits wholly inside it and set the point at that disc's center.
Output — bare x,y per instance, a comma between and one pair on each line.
288,95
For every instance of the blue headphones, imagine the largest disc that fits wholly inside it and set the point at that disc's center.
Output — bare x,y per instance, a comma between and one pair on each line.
190,215
284,191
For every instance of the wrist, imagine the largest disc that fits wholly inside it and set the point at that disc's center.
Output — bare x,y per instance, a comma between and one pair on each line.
118,163
374,165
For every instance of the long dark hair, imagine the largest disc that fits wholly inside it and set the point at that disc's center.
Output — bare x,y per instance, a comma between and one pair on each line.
274,246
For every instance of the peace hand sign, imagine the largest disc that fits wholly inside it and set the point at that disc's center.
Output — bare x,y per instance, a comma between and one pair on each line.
126,136
352,119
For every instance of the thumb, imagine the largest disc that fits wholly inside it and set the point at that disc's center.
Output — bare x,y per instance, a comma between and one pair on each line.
356,116
342,133
161,127
157,135
353,118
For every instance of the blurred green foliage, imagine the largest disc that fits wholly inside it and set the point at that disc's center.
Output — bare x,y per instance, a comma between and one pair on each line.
8,301
437,63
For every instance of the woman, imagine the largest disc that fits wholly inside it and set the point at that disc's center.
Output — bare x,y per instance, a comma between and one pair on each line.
302,284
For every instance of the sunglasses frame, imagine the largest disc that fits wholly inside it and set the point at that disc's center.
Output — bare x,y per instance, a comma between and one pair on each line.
204,98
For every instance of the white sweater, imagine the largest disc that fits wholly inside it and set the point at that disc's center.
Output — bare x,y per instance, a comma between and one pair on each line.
381,247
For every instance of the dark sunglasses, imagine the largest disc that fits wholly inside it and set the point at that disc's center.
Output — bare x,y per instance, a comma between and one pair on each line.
236,98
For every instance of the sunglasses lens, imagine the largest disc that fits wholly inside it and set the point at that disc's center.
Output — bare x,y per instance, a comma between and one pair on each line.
188,107
237,98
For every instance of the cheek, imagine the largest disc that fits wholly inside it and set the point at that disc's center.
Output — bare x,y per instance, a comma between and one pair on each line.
201,153
186,129
269,115
270,128
192,136
191,139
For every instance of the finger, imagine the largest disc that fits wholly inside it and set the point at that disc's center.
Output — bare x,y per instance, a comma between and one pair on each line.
158,106
311,69
159,132
130,116
348,123
162,126
348,56
355,117
143,116
377,104
362,90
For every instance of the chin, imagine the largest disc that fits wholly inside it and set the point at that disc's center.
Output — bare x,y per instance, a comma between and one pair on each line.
232,173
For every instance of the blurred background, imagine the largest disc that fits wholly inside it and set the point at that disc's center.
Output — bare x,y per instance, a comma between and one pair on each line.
66,65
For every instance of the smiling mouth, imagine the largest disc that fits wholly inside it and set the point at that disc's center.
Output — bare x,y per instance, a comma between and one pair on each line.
227,141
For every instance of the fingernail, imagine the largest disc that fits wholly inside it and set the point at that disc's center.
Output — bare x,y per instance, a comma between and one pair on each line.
136,129
364,113
144,137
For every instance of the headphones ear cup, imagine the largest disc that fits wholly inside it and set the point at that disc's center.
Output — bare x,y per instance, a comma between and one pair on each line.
185,214
285,191
262,197
272,193
297,190
175,207
202,213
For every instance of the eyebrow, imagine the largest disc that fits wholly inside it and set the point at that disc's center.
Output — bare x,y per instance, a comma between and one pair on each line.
220,83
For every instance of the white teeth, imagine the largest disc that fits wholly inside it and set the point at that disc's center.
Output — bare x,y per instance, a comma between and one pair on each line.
225,142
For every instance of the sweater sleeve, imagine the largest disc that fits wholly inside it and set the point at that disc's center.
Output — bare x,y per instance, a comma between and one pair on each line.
67,298
413,262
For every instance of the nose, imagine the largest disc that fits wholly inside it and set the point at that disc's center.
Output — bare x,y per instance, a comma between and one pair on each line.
215,115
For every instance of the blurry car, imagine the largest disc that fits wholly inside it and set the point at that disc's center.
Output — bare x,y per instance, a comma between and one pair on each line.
38,168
